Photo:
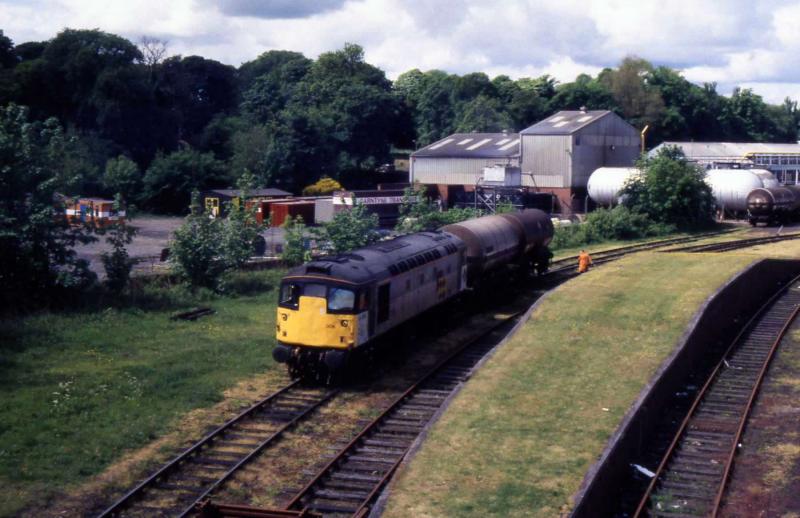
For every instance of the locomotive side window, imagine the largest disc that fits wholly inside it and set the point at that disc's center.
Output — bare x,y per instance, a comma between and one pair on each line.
383,303
290,295
340,299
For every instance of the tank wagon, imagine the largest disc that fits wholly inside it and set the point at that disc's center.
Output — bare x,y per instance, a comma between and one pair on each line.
773,205
333,307
729,186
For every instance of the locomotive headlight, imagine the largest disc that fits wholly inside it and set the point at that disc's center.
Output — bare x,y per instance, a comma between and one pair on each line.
284,316
345,323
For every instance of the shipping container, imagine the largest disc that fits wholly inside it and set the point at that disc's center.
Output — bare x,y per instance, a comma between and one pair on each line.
302,208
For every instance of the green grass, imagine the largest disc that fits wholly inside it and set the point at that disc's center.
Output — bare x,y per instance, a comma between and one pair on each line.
520,436
77,390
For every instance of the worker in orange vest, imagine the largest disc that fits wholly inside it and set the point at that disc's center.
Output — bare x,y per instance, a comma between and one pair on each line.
584,261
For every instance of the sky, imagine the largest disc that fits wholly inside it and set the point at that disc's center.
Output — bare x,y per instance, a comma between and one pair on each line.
752,44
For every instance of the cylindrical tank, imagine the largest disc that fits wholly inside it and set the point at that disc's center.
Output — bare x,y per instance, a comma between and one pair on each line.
606,182
731,187
534,224
766,203
768,179
491,241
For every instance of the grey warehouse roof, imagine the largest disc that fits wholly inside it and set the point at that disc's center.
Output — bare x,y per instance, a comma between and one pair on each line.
473,145
565,122
729,149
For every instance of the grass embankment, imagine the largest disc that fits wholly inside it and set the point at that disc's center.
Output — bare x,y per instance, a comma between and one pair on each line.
80,389
520,436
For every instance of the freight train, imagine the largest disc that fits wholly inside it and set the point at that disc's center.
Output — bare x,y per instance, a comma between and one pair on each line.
773,205
331,308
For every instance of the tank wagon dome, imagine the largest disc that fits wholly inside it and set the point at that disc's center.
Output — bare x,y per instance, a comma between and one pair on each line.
731,186
605,183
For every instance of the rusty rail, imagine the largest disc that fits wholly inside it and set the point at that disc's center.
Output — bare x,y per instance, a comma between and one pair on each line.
736,244
279,411
738,343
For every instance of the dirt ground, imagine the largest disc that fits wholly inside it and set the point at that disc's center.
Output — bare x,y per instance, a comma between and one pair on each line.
766,473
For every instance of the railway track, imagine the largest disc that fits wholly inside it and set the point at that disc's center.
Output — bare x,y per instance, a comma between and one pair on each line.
690,479
604,256
176,488
353,479
350,482
735,245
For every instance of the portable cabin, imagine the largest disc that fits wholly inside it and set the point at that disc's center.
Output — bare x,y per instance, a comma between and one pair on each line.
216,200
97,211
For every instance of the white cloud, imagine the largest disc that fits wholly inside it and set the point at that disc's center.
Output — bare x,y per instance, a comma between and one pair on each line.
726,41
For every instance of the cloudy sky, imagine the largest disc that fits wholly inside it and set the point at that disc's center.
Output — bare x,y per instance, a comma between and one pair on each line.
754,44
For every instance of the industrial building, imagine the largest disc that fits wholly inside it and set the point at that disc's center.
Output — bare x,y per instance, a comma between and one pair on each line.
555,156
783,160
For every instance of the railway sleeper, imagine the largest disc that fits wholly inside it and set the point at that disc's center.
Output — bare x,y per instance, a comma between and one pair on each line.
376,460
331,508
405,421
222,455
348,475
356,485
387,443
372,468
697,489
703,468
402,430
357,496
211,463
377,451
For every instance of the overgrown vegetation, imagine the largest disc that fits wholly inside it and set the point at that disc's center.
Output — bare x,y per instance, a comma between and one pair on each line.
349,229
295,249
619,223
81,388
324,185
205,248
117,263
419,213
670,191
36,242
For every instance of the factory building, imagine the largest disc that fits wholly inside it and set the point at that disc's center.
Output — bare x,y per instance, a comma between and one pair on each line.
782,160
555,156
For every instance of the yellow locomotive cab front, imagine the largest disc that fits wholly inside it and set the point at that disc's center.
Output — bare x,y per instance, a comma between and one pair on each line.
313,314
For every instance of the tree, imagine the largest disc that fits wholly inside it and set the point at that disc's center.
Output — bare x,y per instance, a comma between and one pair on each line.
418,213
584,91
350,229
670,190
240,229
294,249
171,177
324,185
118,264
483,115
195,252
36,241
640,102
122,176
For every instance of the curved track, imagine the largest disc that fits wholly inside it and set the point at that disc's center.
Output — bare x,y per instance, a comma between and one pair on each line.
735,245
176,488
691,477
352,480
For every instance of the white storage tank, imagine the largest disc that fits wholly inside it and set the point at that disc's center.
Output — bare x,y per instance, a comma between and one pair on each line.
606,182
767,178
731,187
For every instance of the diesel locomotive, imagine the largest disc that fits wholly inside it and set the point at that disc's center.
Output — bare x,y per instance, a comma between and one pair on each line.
333,307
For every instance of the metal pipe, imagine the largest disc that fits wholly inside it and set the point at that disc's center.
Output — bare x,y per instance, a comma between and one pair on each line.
644,130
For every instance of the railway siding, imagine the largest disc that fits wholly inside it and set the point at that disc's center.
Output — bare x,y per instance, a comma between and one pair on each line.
520,436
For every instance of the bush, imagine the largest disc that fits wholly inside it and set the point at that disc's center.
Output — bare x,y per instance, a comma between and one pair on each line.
294,249
618,223
324,185
418,213
350,229
117,263
670,191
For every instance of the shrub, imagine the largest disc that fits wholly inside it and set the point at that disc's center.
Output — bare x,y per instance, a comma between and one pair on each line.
324,185
350,229
294,249
618,223
117,263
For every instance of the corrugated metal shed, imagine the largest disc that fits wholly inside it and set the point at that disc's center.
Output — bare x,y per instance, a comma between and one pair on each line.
472,145
253,193
565,122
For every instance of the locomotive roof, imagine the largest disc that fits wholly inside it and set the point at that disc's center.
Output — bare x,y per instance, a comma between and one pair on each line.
378,260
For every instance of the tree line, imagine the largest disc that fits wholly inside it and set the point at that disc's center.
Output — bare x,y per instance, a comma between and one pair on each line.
153,127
